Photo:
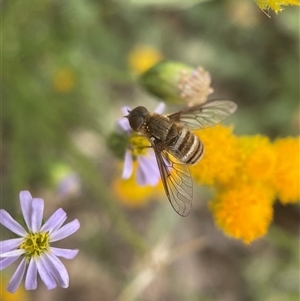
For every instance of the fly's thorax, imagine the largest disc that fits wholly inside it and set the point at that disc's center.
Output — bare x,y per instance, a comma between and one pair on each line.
156,126
186,145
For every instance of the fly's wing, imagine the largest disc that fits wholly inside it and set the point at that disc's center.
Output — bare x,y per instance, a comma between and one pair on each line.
176,179
204,115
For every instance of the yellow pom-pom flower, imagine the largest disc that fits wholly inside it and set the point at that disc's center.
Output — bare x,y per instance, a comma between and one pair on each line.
221,156
243,211
258,159
287,170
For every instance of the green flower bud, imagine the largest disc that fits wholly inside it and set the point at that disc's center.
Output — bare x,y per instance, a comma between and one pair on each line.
176,83
117,143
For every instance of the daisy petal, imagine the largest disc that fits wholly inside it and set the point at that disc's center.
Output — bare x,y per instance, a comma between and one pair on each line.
160,108
10,244
7,221
128,165
125,110
124,125
55,221
65,231
37,214
147,172
25,201
17,277
141,174
5,262
58,270
65,253
44,273
12,253
31,276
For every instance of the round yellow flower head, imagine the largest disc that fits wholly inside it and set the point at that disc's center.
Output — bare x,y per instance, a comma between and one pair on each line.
221,156
243,211
258,158
287,170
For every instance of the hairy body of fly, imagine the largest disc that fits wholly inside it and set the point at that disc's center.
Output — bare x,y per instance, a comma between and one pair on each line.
173,136
175,146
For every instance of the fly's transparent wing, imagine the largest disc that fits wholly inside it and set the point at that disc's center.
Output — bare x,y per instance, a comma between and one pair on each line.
204,115
177,181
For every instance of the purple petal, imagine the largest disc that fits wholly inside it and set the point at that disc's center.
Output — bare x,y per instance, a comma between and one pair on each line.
31,276
5,262
12,253
37,214
124,125
147,172
65,231
55,221
26,202
17,277
58,270
141,175
6,246
160,108
45,274
125,110
10,244
70,184
128,165
65,253
7,221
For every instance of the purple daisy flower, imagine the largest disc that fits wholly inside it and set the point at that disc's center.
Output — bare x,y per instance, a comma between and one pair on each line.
69,185
147,170
33,245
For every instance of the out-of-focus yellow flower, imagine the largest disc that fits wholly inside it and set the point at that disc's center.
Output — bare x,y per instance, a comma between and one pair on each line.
287,171
132,194
221,156
143,57
258,158
63,80
243,210
129,193
20,295
275,5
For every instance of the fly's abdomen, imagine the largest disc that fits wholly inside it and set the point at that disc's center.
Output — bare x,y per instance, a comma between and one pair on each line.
189,147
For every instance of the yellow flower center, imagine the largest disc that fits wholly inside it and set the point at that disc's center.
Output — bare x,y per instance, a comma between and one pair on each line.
139,145
35,244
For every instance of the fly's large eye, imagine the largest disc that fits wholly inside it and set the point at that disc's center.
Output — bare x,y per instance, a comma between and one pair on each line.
137,117
135,122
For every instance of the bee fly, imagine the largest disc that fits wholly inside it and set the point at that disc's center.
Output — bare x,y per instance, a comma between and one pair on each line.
175,146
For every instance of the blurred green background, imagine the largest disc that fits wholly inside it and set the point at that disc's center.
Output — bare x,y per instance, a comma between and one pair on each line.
65,75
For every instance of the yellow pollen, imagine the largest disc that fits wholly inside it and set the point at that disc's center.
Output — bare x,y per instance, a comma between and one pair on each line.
35,244
139,145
